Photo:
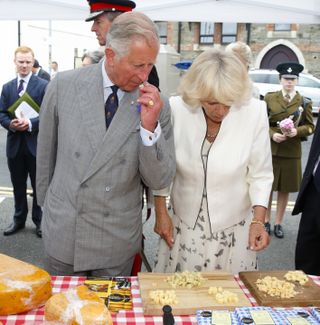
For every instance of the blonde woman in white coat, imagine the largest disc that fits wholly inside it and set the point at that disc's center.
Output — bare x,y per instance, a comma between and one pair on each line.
220,193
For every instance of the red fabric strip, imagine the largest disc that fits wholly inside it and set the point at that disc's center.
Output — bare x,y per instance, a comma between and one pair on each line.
103,6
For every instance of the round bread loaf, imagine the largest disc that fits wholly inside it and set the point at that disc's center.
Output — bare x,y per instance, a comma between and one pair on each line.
23,286
78,306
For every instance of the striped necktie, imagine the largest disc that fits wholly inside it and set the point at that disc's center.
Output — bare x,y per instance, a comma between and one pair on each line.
20,87
111,105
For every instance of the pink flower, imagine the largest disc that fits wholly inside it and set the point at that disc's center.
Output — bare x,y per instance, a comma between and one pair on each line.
286,124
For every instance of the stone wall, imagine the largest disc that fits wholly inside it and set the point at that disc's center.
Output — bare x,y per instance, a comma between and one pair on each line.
303,39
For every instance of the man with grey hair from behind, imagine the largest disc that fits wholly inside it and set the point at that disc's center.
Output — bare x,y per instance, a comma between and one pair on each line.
91,57
103,130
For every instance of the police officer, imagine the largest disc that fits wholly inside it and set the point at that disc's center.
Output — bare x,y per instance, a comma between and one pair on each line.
286,143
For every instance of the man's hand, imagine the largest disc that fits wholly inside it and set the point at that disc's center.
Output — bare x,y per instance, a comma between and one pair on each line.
151,105
19,124
278,137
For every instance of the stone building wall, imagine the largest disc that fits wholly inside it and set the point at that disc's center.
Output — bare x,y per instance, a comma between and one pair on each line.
304,40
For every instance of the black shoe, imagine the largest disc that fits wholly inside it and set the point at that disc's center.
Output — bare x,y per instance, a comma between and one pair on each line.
278,231
268,227
38,232
13,228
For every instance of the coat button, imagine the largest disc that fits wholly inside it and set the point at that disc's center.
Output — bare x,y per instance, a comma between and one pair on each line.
107,189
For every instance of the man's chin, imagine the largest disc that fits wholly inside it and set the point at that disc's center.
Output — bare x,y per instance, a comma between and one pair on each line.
101,42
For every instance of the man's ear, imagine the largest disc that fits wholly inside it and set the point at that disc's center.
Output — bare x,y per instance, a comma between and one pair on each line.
110,56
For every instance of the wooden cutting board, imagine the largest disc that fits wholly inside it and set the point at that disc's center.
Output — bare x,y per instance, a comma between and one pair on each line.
308,294
190,300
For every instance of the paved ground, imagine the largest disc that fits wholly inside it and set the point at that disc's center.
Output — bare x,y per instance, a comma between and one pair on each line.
26,246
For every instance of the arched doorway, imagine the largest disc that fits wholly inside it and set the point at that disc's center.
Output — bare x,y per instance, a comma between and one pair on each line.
276,55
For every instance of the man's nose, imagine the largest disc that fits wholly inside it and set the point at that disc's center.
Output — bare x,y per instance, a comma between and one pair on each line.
144,74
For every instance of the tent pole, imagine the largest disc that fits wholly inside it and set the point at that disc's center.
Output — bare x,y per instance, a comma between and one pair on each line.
50,45
19,33
179,36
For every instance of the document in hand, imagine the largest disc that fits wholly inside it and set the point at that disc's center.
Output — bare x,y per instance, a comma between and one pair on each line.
26,105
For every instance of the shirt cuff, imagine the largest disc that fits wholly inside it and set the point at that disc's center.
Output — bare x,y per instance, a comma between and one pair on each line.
149,138
30,126
164,192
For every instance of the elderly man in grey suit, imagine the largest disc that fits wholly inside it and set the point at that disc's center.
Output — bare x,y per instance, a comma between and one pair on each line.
89,169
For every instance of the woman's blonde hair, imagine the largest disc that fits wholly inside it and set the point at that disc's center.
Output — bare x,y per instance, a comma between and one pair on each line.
241,49
216,76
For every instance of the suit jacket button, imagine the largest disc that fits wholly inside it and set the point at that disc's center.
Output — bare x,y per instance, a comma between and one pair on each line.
107,189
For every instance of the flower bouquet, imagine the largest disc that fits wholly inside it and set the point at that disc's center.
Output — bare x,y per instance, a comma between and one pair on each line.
286,125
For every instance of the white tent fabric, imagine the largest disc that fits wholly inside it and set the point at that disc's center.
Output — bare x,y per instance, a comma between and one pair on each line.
246,11
249,11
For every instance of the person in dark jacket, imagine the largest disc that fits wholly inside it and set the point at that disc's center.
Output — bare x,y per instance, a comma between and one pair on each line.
308,202
22,138
38,71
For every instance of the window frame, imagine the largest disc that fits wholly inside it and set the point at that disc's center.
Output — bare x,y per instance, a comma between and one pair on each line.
286,28
207,35
233,35
162,26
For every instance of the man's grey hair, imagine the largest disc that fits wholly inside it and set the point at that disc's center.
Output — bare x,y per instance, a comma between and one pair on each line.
94,56
111,16
131,26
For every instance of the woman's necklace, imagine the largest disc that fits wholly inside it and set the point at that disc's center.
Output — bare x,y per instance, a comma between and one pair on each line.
212,136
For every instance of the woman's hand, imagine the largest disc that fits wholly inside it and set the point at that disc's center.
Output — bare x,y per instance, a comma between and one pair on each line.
163,226
293,132
278,137
258,237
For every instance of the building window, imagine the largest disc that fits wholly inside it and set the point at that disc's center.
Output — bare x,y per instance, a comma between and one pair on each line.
162,28
229,33
206,33
282,27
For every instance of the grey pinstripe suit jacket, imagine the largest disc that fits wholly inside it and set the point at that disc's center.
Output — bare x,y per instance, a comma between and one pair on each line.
89,179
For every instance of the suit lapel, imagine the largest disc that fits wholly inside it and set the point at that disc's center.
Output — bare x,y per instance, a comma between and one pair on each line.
281,107
91,106
284,107
294,104
105,142
14,90
125,122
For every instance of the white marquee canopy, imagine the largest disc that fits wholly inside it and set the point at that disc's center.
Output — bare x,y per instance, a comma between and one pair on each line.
248,11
